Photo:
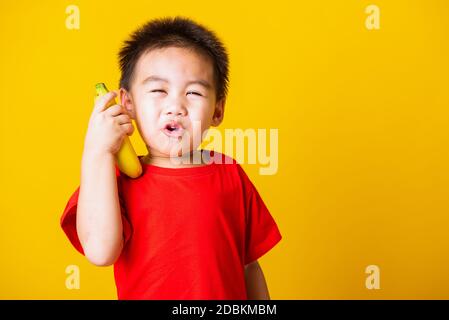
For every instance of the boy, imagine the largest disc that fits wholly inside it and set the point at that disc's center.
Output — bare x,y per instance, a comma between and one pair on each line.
180,230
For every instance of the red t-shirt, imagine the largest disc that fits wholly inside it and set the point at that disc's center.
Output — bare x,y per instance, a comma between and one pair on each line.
188,232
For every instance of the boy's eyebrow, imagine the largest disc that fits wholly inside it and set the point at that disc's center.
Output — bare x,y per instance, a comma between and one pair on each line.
201,82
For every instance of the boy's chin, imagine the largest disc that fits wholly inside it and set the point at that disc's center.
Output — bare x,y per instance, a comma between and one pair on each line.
176,152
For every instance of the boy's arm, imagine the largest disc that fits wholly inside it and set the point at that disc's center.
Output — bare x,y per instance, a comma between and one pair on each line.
256,287
98,220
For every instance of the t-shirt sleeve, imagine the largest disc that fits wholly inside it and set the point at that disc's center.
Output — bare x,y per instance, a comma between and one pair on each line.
68,219
261,230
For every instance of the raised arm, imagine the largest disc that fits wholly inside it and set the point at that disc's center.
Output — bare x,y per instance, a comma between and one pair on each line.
98,220
99,224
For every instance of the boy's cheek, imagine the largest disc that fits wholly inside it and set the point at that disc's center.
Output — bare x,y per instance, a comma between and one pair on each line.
147,115
146,129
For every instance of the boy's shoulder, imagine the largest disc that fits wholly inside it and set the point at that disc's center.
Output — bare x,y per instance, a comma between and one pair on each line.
229,164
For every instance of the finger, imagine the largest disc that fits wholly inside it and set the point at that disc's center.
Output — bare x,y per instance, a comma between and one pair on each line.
128,128
123,118
114,110
102,102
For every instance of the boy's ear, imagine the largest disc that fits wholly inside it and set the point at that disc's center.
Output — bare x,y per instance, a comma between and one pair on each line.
127,102
219,112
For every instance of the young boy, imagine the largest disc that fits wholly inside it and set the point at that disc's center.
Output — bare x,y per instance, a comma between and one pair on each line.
180,230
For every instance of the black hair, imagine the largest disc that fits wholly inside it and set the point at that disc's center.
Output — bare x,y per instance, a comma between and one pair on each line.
175,32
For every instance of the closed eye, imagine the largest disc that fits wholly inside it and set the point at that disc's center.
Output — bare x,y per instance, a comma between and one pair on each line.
193,92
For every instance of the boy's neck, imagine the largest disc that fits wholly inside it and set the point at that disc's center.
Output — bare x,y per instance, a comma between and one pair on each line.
186,161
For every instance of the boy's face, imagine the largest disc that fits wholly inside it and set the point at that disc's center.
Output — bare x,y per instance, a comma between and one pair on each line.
173,87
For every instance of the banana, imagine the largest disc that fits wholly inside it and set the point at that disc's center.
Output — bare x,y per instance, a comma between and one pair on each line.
126,158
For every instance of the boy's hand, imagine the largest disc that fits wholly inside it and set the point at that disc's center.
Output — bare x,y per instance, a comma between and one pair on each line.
107,127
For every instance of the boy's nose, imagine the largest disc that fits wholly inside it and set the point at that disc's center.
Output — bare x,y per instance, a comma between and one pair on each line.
176,109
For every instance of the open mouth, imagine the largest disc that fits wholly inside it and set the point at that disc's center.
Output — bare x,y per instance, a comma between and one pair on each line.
173,129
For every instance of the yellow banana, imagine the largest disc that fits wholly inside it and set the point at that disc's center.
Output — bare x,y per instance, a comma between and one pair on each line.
126,158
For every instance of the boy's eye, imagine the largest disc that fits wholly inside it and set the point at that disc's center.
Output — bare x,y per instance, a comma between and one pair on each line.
194,92
190,92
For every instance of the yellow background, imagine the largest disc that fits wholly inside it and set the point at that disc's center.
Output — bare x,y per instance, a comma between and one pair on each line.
363,137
